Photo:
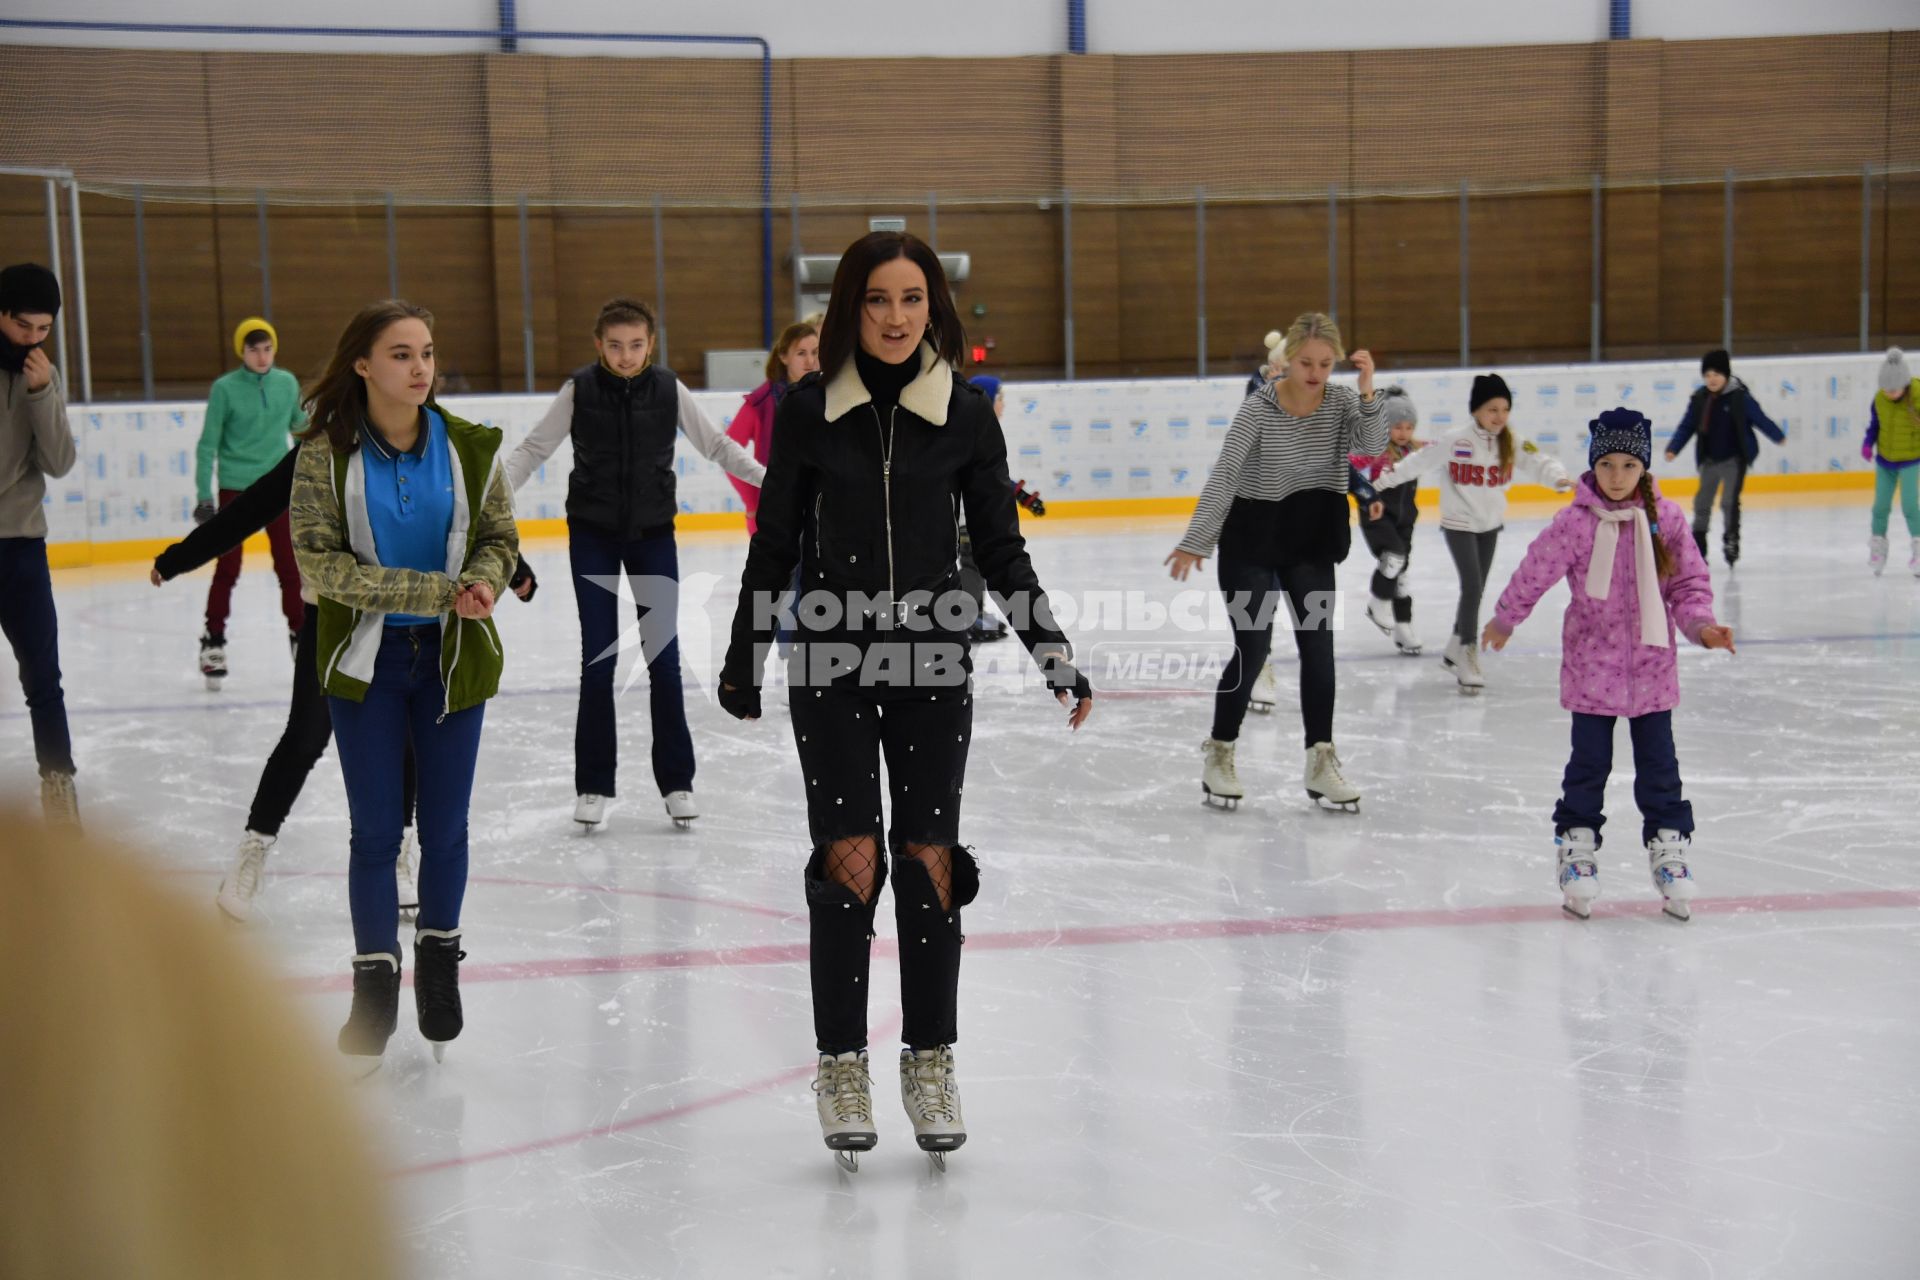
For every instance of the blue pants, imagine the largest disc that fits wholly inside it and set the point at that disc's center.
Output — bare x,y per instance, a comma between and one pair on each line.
33,629
404,704
1656,776
652,567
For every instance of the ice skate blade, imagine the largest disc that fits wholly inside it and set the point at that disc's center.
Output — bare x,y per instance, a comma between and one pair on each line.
848,1160
1264,708
1678,910
213,683
938,1159
1228,803
408,913
439,1049
683,824
1577,909
588,828
360,1065
1411,651
1334,806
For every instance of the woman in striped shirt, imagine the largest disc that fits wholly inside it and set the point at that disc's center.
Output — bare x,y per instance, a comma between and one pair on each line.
1276,505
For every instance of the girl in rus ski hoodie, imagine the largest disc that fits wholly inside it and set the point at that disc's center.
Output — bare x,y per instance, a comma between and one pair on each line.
1481,460
1617,651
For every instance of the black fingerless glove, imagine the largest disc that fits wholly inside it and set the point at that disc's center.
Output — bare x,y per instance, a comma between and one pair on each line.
741,704
1062,676
523,577
203,512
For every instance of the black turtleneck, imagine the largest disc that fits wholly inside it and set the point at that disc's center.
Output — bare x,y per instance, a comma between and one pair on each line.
885,382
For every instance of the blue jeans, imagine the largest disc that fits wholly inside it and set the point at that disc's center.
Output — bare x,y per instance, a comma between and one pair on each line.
33,629
403,705
652,566
1656,776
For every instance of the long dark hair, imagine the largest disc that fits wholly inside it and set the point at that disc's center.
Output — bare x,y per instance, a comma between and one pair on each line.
336,402
840,330
1662,553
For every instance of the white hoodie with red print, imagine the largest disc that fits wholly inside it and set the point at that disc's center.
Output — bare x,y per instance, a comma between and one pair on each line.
1473,487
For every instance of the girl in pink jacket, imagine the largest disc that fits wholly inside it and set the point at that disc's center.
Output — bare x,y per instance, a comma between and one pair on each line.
793,357
1636,576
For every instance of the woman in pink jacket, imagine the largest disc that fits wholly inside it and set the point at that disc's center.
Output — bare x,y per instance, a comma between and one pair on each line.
796,355
1630,593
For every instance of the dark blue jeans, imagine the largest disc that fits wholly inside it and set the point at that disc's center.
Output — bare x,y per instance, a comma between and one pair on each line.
1656,776
652,566
33,629
404,704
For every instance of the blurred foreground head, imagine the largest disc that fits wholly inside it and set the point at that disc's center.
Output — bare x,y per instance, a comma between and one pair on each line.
164,1113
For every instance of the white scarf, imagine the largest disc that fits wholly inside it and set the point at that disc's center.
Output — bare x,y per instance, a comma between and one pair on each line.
1646,572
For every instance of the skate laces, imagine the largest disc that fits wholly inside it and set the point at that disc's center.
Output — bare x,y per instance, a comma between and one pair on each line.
928,1082
436,973
1327,763
848,1088
246,873
1220,756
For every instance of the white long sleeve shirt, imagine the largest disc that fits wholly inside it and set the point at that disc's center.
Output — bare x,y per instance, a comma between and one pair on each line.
1473,487
555,425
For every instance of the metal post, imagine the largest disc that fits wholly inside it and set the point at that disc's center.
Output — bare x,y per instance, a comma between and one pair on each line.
1200,272
1594,308
1726,269
79,291
793,251
1466,342
393,248
660,281
266,257
1066,270
1333,251
140,269
933,221
526,295
1866,250
64,350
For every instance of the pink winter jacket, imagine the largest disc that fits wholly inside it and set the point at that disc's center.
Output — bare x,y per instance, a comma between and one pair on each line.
753,426
1604,668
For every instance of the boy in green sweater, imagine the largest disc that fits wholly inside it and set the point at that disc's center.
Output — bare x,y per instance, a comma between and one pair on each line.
250,414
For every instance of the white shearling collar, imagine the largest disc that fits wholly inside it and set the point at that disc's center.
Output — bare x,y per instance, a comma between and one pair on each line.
925,397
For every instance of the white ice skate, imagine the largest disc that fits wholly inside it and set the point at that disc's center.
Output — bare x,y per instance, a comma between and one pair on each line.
1404,640
1667,859
1218,780
1877,554
235,895
1464,663
682,809
1266,690
932,1099
59,801
590,811
1326,784
843,1095
406,875
1380,614
1579,872
213,661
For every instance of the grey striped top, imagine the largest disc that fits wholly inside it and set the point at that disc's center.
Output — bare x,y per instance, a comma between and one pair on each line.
1269,454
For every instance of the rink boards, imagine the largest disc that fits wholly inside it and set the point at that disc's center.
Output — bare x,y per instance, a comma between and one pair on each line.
1090,448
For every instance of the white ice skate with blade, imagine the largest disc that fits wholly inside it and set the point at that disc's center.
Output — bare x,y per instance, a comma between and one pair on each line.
1464,662
1667,860
590,811
931,1096
406,875
1877,554
235,895
1579,872
1380,614
1327,786
1218,780
843,1095
682,809
1404,640
213,661
1266,690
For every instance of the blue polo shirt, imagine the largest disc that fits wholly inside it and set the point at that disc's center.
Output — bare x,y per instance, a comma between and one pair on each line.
410,501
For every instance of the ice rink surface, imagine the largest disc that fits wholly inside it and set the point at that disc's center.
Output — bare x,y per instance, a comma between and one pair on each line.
1277,1042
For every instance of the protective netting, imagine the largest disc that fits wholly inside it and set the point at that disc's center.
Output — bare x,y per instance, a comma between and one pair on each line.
726,131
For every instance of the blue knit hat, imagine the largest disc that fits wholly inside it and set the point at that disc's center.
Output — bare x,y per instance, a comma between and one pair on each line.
1620,430
986,384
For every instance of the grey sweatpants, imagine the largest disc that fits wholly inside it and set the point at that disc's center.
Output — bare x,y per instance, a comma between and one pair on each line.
1730,473
1473,558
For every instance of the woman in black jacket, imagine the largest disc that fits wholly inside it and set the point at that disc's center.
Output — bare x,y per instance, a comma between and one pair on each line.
873,460
309,724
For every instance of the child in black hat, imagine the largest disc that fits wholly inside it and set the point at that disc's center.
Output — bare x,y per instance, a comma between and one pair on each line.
1721,419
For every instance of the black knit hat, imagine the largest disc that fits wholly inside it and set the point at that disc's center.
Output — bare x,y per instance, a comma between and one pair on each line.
1488,386
27,288
1717,361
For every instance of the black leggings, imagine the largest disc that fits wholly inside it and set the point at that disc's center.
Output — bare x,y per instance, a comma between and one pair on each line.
304,740
1254,592
1388,537
1473,558
843,731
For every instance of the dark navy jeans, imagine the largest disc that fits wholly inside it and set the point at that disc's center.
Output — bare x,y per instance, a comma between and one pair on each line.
1656,776
33,629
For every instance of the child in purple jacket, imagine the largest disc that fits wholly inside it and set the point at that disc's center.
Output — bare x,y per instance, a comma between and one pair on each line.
1617,651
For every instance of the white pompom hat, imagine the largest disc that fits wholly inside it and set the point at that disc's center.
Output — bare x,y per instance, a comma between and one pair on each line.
1894,373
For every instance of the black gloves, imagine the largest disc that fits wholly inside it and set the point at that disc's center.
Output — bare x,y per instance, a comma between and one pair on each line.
1028,499
1062,676
204,512
523,577
741,704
